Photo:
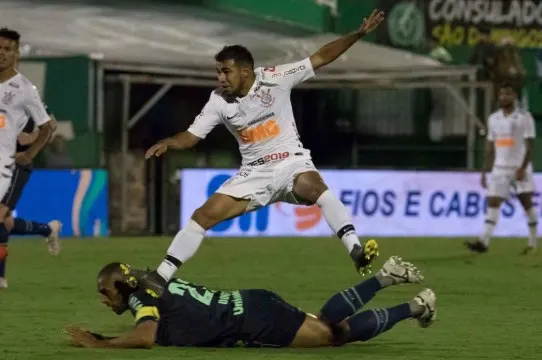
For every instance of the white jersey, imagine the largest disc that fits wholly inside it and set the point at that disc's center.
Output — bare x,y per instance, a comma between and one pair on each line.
508,134
19,101
262,122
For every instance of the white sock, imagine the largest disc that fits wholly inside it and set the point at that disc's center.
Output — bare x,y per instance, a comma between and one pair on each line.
182,248
492,217
532,222
338,219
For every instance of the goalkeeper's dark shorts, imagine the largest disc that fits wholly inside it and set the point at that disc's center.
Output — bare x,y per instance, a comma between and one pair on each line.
269,320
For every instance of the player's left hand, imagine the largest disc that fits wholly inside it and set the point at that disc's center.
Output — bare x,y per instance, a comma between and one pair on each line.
371,23
23,158
81,338
520,174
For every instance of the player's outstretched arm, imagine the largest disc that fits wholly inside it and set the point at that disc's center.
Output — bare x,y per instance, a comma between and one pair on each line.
329,52
142,336
180,141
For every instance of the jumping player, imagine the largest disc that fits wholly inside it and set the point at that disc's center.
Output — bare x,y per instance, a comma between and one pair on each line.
19,101
254,104
193,315
508,155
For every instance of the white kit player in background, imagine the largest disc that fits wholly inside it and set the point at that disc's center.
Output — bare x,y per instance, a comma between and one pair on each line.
509,150
19,100
255,106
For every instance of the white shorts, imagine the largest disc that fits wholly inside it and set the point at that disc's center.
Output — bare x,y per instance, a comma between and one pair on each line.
268,183
503,183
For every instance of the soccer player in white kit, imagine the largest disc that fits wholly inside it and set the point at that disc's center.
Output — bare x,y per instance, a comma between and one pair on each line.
254,105
19,101
509,150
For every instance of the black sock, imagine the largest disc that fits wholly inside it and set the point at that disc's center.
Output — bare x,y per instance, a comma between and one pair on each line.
3,267
4,235
176,262
24,227
345,303
371,323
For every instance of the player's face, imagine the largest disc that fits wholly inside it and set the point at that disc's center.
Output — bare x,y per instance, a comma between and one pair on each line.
507,97
110,296
9,53
231,76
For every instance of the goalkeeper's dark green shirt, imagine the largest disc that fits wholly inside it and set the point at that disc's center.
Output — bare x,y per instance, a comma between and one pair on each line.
191,315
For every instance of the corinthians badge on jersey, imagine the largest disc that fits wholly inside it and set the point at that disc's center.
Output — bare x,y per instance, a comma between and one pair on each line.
266,98
8,98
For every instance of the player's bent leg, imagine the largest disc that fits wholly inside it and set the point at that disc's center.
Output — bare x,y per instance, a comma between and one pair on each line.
346,303
50,231
366,325
525,198
217,208
309,187
369,324
313,333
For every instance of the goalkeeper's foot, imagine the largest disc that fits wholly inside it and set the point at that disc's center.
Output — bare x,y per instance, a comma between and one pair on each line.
401,272
364,255
427,300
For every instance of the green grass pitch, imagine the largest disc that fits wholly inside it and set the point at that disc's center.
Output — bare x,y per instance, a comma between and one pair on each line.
489,306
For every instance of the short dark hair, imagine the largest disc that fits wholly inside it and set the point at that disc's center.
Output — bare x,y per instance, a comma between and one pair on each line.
507,85
238,53
110,270
10,34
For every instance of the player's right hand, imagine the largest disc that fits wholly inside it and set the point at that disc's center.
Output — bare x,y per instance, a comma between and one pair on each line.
80,337
156,150
483,181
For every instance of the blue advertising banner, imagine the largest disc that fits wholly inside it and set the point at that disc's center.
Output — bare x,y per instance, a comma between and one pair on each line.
381,203
77,198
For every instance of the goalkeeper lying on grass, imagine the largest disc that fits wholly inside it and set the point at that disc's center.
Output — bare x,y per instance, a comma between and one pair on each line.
192,315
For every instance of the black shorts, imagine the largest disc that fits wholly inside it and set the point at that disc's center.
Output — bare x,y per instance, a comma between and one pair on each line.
20,177
269,320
